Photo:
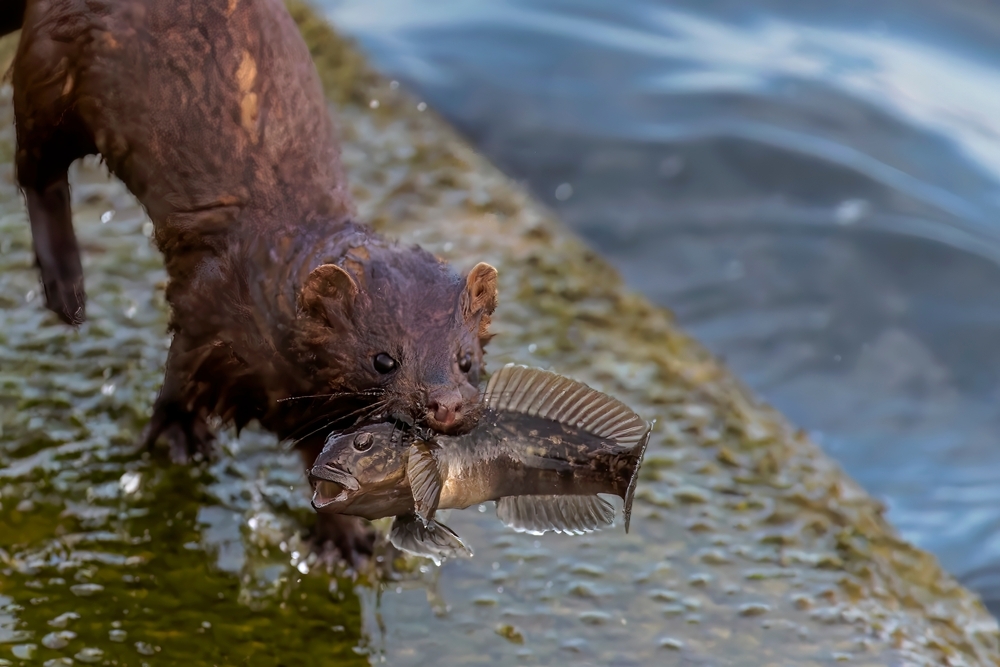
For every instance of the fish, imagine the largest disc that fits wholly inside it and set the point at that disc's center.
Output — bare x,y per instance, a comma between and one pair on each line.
543,449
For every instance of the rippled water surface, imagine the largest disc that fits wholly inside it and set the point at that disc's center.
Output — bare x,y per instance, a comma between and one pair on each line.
813,191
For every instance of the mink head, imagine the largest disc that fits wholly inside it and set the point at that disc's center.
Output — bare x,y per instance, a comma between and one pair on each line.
400,333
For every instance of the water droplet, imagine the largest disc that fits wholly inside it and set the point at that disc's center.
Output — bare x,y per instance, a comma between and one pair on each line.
421,107
58,640
144,649
117,635
394,84
753,609
699,579
671,644
107,216
532,348
303,567
147,229
24,651
85,590
575,645
89,655
595,617
373,104
664,595
62,620
30,296
108,388
129,482
564,191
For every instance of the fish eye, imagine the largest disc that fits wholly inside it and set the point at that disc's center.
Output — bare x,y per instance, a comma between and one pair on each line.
465,363
384,364
363,441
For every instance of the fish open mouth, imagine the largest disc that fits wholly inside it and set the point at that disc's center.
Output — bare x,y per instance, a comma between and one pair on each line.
331,485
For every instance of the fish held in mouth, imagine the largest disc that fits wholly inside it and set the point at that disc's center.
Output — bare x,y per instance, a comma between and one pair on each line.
544,449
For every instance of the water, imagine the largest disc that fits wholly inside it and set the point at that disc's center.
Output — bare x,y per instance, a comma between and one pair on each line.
814,190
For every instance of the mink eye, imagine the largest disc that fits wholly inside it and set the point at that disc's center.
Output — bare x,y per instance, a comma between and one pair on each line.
363,441
384,363
465,363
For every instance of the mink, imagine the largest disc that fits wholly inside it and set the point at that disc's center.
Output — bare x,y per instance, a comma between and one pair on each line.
284,308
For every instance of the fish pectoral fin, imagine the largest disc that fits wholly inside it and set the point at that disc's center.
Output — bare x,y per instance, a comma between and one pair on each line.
432,540
423,471
573,515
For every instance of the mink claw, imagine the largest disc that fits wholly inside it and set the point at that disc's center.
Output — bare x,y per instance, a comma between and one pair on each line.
187,435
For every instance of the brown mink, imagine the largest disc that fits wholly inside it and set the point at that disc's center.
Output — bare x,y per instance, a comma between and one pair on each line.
211,112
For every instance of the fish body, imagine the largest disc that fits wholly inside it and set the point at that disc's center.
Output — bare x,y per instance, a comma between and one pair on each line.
543,449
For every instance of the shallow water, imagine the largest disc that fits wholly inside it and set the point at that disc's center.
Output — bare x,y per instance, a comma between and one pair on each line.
813,191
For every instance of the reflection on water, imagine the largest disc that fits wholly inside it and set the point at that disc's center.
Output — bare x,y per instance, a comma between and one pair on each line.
814,195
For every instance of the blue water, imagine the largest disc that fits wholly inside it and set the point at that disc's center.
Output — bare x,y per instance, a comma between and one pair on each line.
814,190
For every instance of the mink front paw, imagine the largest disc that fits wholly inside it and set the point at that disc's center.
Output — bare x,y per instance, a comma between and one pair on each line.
338,538
187,433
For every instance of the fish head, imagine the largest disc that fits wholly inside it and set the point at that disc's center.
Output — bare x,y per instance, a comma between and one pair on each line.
361,471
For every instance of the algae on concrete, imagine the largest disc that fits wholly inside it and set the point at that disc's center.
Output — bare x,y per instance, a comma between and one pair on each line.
748,545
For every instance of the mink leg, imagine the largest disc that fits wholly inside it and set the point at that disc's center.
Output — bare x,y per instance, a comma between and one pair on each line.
186,431
335,536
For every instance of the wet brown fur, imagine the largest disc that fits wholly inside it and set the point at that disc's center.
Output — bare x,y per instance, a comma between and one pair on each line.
211,112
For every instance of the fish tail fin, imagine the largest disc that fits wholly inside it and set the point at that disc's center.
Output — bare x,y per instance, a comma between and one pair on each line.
639,451
435,540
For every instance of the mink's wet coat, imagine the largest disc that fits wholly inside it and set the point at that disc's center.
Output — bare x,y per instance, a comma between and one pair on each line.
211,112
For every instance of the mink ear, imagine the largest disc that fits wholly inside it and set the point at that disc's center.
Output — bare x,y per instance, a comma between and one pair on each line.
327,286
480,297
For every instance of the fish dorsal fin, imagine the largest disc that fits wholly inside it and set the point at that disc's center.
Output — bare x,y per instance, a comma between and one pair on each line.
542,393
573,515
425,478
431,540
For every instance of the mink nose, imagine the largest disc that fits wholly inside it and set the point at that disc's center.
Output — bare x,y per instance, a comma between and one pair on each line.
444,409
